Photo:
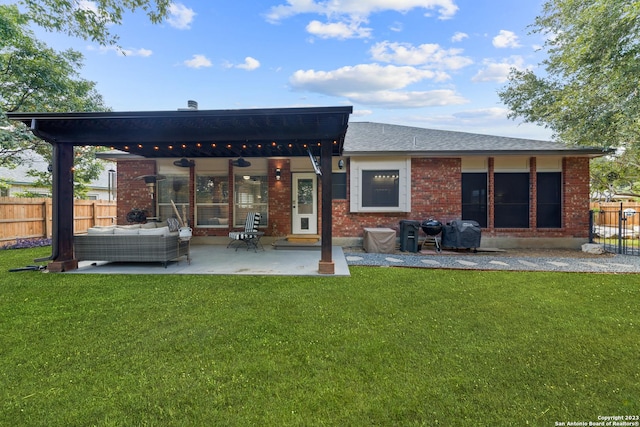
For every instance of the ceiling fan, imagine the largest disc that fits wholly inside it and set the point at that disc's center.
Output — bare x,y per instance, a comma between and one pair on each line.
184,163
241,163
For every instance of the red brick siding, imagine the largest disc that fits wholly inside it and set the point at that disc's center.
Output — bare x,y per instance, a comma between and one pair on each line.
575,203
435,193
576,196
133,193
279,198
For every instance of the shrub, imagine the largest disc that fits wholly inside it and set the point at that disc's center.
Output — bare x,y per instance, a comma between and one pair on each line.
27,243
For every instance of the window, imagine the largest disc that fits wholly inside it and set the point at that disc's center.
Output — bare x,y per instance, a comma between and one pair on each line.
511,202
212,200
251,195
380,185
173,188
549,200
474,197
380,188
339,187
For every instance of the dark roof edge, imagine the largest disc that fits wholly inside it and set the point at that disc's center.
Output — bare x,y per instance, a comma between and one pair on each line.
577,152
180,113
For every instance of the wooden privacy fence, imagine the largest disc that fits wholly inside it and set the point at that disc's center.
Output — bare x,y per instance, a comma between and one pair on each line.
31,218
606,213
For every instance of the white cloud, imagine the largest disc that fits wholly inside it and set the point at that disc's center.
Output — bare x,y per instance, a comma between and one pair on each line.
361,113
180,16
338,30
354,11
198,61
249,64
459,36
91,6
489,121
431,55
415,99
88,5
373,84
358,78
506,39
122,51
498,71
396,27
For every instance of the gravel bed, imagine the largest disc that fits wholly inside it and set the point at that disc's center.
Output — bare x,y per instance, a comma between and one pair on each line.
520,260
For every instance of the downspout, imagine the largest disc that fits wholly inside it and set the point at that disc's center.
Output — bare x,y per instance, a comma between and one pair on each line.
54,217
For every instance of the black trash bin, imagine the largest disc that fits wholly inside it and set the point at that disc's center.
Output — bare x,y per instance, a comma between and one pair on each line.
461,233
409,235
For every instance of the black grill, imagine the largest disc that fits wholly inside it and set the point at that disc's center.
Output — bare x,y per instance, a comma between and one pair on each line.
432,228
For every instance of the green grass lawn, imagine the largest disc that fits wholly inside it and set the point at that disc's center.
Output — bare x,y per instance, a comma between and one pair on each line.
385,347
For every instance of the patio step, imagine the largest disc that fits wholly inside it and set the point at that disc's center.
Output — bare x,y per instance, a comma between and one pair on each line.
303,238
298,242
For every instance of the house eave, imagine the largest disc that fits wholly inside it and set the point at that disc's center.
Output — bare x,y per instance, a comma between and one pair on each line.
590,153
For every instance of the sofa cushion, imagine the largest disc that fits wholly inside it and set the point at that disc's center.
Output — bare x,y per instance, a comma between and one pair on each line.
162,231
100,230
128,231
129,226
148,225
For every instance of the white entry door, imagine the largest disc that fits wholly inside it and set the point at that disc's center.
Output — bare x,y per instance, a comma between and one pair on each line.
304,203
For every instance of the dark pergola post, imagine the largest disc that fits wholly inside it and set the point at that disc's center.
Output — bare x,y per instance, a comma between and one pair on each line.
62,209
326,265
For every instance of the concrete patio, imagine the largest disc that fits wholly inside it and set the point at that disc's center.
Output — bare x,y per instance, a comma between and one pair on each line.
218,259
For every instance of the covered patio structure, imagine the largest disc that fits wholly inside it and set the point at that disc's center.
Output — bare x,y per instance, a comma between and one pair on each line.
189,133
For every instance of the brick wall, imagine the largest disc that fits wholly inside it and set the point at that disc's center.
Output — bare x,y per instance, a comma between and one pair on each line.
133,193
279,198
576,196
436,193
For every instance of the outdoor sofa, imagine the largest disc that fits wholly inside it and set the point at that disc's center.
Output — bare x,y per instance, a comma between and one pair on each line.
151,242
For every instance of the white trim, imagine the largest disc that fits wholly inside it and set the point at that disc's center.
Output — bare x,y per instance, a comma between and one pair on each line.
511,164
402,164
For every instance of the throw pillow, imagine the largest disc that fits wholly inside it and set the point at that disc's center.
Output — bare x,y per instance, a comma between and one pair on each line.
173,223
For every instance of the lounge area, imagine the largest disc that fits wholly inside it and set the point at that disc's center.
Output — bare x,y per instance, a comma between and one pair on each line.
216,259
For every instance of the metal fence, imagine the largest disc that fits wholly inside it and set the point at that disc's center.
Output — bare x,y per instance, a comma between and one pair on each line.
617,228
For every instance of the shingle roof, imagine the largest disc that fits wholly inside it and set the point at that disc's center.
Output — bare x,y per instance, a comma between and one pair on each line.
367,138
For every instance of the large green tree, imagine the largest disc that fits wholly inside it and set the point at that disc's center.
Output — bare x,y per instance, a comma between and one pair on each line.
92,20
587,89
34,77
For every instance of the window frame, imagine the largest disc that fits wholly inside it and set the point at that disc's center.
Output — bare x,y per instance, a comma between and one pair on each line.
166,208
358,166
509,179
482,203
241,209
223,205
553,201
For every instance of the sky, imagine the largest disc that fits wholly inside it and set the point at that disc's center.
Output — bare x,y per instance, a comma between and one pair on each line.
425,63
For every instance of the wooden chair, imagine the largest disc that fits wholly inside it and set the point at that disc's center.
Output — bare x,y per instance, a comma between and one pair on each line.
250,236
